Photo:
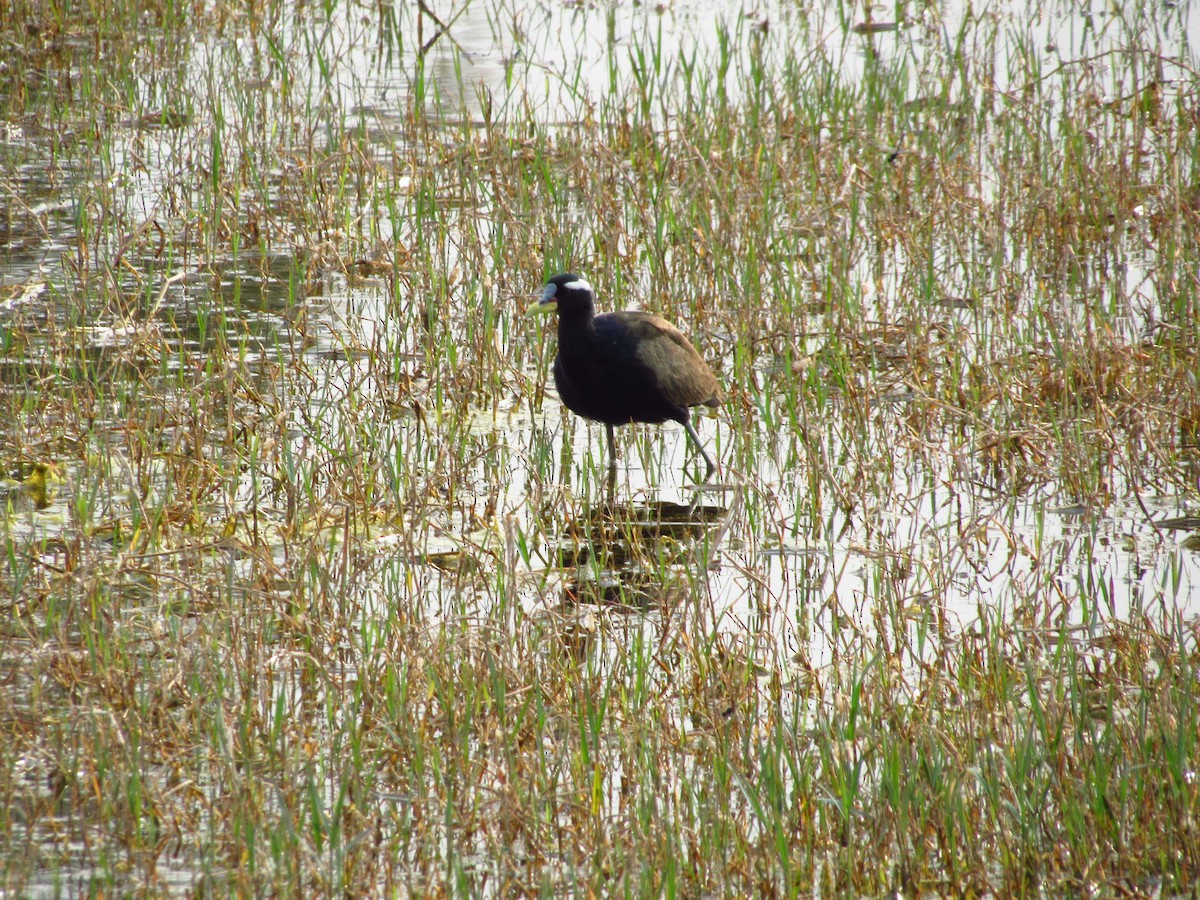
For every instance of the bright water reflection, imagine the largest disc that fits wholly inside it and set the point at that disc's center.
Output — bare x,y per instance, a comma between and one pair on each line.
789,570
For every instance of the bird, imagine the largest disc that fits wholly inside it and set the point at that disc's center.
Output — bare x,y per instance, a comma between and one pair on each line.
623,367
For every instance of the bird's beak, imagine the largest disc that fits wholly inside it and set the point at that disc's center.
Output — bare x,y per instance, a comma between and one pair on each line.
546,304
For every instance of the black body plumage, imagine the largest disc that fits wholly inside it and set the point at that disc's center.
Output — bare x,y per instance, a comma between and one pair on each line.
623,367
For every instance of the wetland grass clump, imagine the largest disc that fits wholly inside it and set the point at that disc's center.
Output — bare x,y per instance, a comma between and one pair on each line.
321,603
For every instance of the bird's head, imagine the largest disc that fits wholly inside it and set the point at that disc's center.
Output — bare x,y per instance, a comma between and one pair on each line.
565,294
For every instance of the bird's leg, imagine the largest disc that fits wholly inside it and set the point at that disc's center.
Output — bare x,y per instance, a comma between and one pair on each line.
611,481
712,466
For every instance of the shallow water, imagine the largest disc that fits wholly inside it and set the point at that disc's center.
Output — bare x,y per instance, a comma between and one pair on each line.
556,61
503,518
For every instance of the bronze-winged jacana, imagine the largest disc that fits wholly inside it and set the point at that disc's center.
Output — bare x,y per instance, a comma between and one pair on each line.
623,367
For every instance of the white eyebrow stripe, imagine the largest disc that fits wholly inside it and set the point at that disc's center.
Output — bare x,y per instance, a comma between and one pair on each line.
579,284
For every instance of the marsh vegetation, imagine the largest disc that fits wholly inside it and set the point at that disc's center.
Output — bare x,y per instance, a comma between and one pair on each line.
311,586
